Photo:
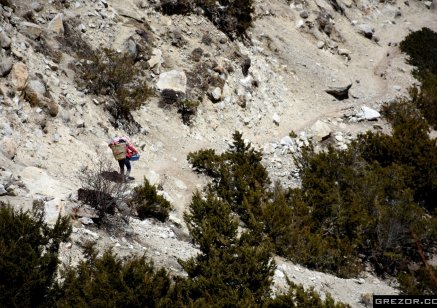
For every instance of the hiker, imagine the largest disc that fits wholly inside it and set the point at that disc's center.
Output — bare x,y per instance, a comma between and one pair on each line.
123,152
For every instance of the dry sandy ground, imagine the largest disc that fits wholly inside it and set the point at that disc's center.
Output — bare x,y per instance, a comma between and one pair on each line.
292,74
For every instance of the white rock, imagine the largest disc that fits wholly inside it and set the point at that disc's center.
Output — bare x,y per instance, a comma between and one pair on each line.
56,25
367,113
339,138
156,60
320,44
3,191
216,93
180,184
276,119
153,177
53,209
299,23
91,233
344,52
279,274
320,131
287,141
86,220
37,181
175,81
8,147
56,137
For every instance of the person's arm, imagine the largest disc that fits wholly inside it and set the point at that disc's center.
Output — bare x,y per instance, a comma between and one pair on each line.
131,147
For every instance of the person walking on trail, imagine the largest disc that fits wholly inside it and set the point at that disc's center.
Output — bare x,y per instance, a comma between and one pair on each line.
123,152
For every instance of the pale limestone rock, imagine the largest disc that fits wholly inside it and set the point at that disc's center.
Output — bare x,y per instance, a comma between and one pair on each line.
56,25
8,147
320,131
53,209
156,61
369,114
172,83
31,30
276,119
20,75
5,41
38,181
3,191
5,66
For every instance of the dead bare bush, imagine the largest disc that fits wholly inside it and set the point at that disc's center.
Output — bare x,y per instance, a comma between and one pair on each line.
105,194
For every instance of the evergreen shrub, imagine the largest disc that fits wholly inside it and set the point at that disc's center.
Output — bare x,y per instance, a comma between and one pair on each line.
146,201
29,256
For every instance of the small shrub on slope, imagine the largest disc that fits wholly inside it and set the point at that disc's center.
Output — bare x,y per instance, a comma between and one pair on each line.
146,201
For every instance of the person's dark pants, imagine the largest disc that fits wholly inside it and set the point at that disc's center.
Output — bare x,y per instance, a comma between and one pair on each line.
124,162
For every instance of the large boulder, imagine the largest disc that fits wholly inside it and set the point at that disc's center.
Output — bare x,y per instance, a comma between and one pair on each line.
53,209
131,48
37,95
172,84
37,181
56,25
156,61
366,30
5,41
320,131
35,92
31,30
368,114
20,75
339,93
5,66
8,147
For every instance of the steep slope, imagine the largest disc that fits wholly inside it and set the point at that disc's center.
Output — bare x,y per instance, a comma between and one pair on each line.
292,63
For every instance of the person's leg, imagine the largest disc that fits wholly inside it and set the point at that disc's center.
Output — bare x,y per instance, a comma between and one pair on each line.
128,166
121,164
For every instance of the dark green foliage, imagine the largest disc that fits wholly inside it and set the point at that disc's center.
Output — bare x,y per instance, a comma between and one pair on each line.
229,271
421,46
425,99
148,203
107,281
233,17
5,2
368,201
418,281
108,72
410,147
187,109
28,256
238,176
297,297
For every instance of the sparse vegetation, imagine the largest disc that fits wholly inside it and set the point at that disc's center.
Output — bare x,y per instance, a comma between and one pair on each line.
146,201
187,109
110,73
102,192
231,17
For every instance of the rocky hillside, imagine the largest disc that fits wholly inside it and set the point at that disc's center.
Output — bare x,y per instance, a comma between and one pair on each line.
320,69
